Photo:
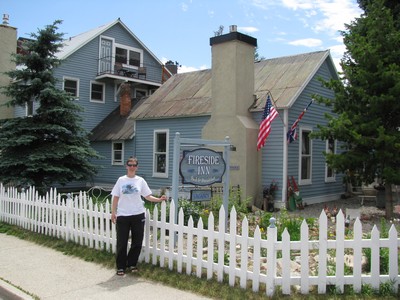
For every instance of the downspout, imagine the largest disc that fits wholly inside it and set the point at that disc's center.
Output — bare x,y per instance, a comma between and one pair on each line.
285,157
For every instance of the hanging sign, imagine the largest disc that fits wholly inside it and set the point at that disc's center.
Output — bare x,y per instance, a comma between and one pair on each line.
202,166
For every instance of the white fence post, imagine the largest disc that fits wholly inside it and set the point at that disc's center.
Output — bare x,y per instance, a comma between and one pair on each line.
271,257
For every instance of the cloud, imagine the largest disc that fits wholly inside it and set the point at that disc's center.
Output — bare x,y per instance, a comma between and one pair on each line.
298,4
336,14
306,42
248,29
184,6
186,69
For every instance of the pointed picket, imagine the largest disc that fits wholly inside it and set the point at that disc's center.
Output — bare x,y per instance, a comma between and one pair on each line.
232,246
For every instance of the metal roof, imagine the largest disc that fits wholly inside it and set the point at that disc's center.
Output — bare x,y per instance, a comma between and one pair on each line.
189,94
114,127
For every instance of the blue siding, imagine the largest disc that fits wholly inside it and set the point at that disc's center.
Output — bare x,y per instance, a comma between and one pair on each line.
313,116
272,154
187,127
109,173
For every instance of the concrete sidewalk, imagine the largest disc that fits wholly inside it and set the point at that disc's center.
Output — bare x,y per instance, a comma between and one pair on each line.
49,274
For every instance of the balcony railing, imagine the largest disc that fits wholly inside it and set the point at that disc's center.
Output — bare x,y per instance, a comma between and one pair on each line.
146,72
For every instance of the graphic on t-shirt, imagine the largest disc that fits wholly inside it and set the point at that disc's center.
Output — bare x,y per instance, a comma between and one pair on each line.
129,189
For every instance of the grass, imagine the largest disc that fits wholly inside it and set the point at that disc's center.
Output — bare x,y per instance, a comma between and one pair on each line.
207,288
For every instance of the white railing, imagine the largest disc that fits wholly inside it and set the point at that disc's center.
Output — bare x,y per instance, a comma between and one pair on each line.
215,251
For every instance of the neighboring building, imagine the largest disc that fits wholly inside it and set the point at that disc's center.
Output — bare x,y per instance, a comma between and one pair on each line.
98,68
228,100
8,46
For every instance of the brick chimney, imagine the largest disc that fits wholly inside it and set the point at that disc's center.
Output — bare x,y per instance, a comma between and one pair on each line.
125,102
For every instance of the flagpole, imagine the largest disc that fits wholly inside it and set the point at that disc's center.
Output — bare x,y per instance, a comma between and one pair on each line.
274,102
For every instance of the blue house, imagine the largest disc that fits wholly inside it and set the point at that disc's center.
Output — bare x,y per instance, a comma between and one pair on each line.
134,106
96,66
228,100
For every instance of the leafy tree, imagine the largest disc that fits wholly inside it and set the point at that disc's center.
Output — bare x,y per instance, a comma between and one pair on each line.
257,56
367,100
49,146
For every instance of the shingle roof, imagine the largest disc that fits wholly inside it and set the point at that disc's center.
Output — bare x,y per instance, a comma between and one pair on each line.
189,94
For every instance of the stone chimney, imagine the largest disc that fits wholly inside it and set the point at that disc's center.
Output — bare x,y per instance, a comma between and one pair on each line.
232,92
125,102
8,45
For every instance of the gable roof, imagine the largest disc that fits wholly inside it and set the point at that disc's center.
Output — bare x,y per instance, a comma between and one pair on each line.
114,127
76,42
189,94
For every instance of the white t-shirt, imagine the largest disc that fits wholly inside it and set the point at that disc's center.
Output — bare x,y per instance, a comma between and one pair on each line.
129,191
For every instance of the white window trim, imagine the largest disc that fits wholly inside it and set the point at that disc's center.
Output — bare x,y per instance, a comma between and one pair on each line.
141,90
305,181
156,174
333,178
116,45
77,84
113,162
103,93
116,91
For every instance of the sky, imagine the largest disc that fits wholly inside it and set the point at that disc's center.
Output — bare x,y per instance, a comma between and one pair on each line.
180,30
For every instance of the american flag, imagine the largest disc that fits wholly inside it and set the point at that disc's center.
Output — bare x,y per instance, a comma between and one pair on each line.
269,115
292,133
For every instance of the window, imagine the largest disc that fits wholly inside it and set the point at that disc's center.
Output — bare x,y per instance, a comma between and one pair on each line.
134,58
117,153
139,93
97,92
71,86
121,55
160,161
330,149
305,156
29,108
128,56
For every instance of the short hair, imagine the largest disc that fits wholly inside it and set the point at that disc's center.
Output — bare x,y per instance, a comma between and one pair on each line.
132,159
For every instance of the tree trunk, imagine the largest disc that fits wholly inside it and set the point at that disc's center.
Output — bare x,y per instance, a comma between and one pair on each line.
388,201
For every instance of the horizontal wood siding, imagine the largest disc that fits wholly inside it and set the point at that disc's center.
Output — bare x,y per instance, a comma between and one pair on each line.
272,154
319,189
187,127
108,173
154,69
83,64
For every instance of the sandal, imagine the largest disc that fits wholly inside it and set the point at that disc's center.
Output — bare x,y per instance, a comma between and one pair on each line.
120,272
133,269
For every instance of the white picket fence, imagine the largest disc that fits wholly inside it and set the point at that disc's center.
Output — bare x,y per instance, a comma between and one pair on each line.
215,251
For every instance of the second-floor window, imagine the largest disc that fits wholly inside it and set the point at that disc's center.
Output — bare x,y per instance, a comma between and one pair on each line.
305,156
71,86
128,56
97,90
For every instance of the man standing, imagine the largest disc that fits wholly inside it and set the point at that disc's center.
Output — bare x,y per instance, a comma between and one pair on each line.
128,213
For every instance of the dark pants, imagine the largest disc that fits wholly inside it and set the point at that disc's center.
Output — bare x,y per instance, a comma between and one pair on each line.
135,226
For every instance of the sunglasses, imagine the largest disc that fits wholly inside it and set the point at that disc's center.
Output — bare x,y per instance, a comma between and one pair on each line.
132,165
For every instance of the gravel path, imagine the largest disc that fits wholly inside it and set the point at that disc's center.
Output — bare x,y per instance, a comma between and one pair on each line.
370,215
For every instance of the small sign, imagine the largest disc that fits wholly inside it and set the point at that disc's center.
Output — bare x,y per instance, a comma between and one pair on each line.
202,166
200,195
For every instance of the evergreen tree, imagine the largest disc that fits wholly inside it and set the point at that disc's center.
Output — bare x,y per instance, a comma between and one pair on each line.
49,146
367,99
